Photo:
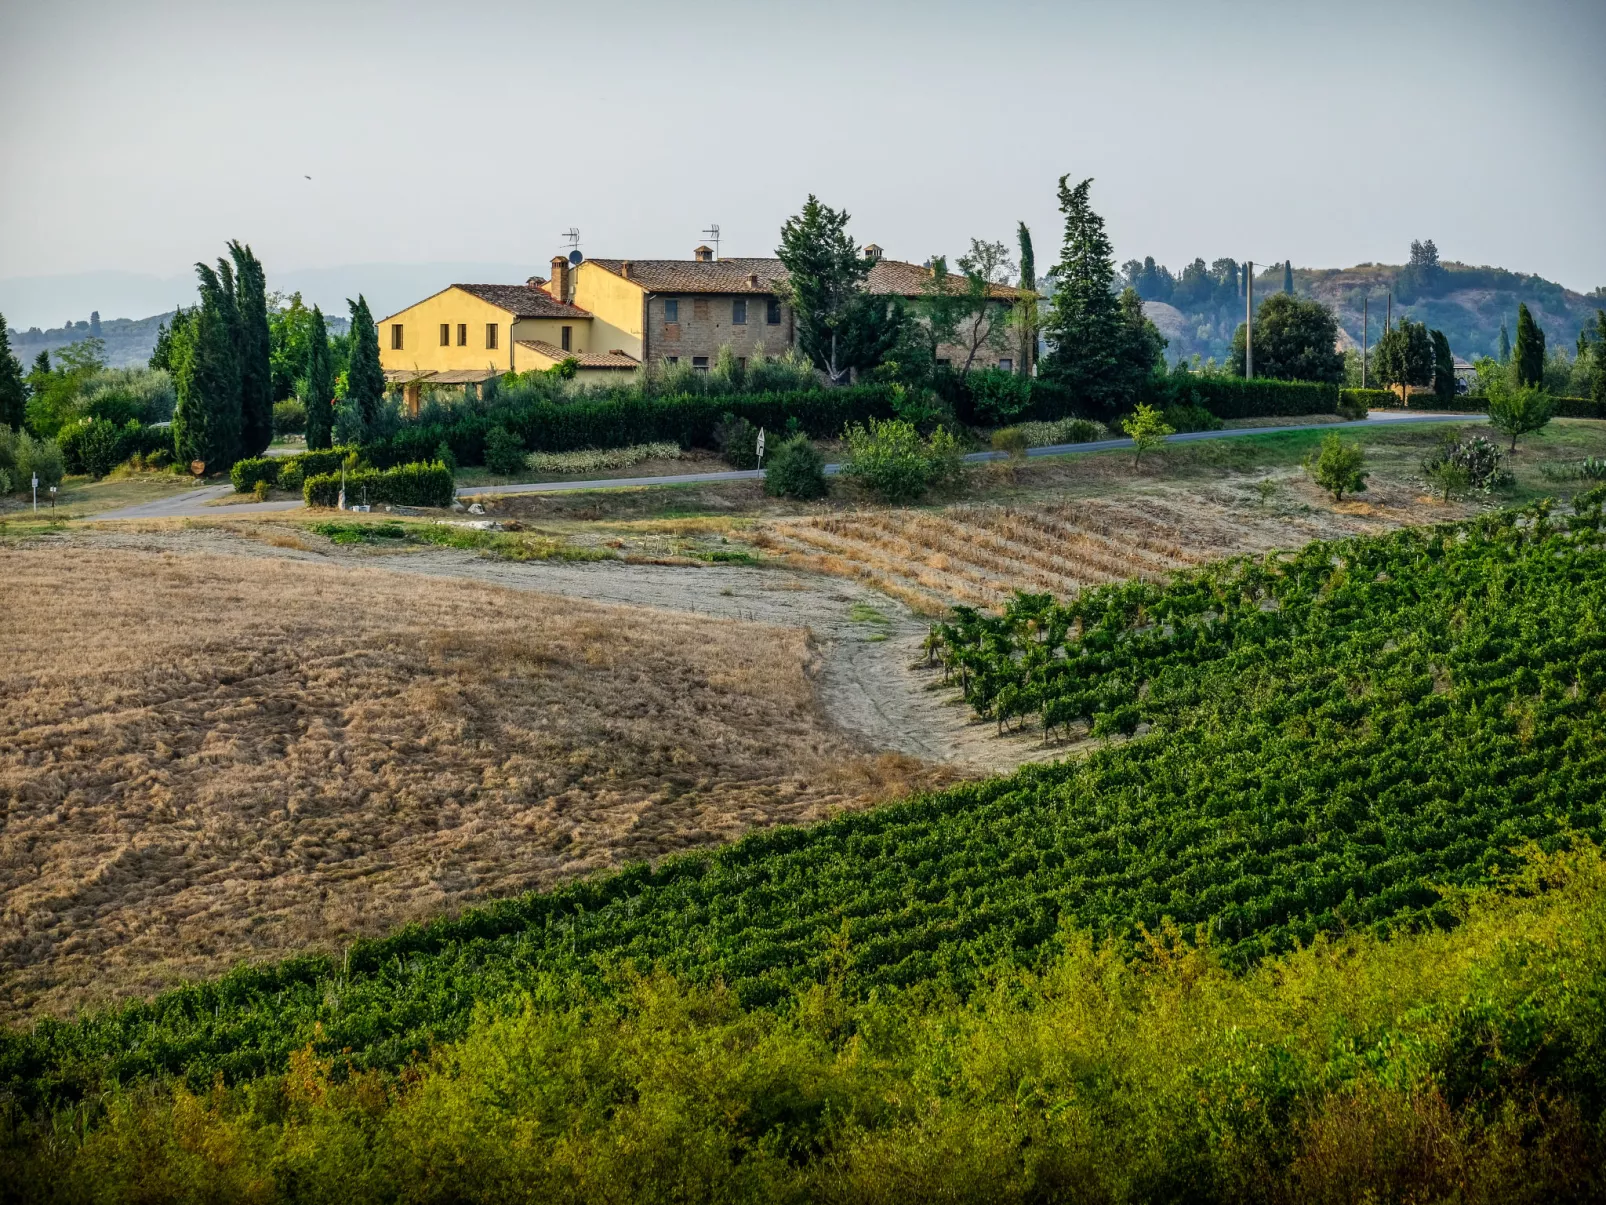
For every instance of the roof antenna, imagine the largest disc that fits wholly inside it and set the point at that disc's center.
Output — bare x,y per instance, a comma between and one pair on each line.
712,235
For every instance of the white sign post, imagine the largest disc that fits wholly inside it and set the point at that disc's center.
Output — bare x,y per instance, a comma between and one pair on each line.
36,493
761,447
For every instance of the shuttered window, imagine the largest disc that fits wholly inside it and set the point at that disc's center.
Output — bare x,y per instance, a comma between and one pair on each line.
446,334
490,336
396,336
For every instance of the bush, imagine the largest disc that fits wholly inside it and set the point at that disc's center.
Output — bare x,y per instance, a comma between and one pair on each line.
504,454
796,470
737,441
1235,397
594,460
1146,429
1520,411
405,485
289,418
1474,458
1064,431
294,470
1190,418
998,396
1337,467
895,464
1011,441
6,485
92,446
247,473
28,456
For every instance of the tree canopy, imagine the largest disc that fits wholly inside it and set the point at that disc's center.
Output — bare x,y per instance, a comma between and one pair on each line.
320,382
1529,353
1295,340
206,418
13,391
1404,355
365,379
840,326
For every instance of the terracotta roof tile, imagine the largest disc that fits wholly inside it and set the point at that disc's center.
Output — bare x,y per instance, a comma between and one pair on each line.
524,301
888,276
586,359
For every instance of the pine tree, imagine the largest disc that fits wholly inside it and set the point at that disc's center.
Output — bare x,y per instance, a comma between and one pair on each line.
1443,367
206,418
1505,345
320,385
254,349
13,392
1084,323
1288,276
1530,350
168,336
837,324
365,379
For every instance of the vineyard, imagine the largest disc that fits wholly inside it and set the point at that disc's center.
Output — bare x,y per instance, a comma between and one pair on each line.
1327,740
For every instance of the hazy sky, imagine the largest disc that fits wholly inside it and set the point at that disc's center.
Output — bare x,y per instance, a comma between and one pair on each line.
141,136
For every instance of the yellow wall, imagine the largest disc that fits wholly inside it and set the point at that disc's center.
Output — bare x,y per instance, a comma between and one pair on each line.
550,330
615,304
421,341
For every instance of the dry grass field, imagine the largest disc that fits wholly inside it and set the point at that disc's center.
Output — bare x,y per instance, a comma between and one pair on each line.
207,758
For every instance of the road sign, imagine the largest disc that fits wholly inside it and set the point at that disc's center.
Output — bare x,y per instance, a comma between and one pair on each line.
197,467
761,447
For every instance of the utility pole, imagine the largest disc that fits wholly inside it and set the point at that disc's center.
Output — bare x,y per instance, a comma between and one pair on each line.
1366,319
1249,319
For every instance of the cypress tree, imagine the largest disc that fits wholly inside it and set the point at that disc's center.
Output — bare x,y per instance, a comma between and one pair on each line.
1530,349
206,418
254,350
1288,276
365,379
1597,379
1084,321
320,384
13,393
1028,261
1028,320
1505,345
1443,367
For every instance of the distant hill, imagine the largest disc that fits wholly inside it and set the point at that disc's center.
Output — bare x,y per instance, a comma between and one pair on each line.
129,341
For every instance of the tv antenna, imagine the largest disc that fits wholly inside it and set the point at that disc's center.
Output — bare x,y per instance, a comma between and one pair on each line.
571,238
712,235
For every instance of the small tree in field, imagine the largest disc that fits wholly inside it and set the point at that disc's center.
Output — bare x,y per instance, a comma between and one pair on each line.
1337,467
1519,411
1146,429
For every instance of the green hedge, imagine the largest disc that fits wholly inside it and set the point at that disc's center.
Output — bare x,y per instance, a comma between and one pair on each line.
404,485
1235,397
294,470
96,446
1566,407
246,473
1370,399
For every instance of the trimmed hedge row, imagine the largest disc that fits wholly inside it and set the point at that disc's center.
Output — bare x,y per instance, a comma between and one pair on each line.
1236,397
287,472
404,485
1565,407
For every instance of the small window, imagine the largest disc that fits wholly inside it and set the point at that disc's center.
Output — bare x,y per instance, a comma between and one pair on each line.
396,336
941,363
772,312
446,334
671,309
1006,364
490,335
739,312
671,359
462,334
567,337
699,363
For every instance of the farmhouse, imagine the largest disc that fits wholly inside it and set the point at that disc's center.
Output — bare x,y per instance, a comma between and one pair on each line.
611,316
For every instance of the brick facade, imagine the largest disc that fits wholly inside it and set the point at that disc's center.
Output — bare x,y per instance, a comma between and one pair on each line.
704,323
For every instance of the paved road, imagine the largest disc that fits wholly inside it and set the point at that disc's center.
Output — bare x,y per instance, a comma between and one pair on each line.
203,501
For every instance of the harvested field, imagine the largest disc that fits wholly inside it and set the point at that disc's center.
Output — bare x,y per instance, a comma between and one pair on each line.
978,555
207,758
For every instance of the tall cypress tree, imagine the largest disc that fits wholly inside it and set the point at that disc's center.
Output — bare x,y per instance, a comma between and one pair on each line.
1084,322
13,393
206,418
1505,345
1597,379
1028,314
255,349
1288,276
320,384
365,379
1443,367
1028,260
1530,350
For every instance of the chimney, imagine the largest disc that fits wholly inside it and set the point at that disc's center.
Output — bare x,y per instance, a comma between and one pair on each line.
872,252
752,280
624,268
536,282
559,288
704,255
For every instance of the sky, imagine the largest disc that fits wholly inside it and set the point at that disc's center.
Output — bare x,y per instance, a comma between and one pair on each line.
137,138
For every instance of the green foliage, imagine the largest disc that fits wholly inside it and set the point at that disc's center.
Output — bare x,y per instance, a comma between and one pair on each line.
840,326
737,441
13,392
294,470
320,385
1404,355
170,341
206,418
1190,418
1519,411
404,485
55,393
365,379
593,460
1288,278
1444,383
95,446
123,395
892,461
1471,463
796,470
1064,431
1336,466
289,417
504,452
1529,358
1146,429
1235,397
998,396
1012,442
246,474
1354,403
1448,476
1295,340
22,455
254,349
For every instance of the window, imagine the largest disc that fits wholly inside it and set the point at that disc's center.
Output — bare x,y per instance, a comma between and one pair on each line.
671,359
739,312
741,362
671,309
772,312
566,338
396,336
941,363
699,363
462,334
490,335
1006,364
446,334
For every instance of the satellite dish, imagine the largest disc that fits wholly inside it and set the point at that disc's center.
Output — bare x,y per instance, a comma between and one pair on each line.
575,257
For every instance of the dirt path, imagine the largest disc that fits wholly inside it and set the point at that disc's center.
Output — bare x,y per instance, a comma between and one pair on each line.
870,682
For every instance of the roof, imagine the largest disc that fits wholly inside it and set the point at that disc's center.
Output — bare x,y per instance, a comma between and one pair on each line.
585,359
887,276
524,301
459,376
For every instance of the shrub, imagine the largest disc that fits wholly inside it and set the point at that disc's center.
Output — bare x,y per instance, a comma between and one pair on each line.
246,474
1146,429
796,470
92,446
1012,441
30,457
1336,467
289,418
404,485
443,453
1063,431
594,460
1190,418
1358,401
998,396
891,460
1520,411
504,454
737,441
294,470
6,485
261,491
1236,397
1474,458
1448,478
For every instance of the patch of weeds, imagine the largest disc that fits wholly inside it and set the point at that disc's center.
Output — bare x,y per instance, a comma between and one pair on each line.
723,556
861,612
360,533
